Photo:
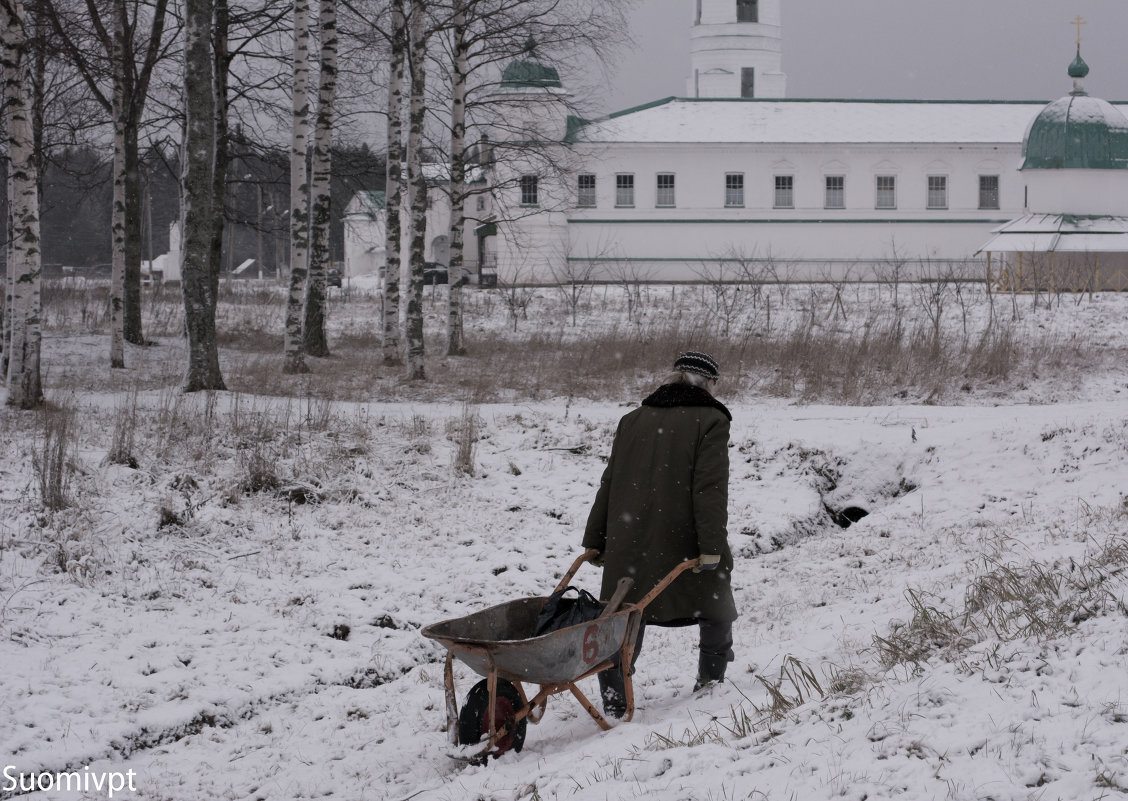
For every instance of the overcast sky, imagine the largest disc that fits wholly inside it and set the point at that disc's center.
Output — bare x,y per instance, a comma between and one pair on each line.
955,49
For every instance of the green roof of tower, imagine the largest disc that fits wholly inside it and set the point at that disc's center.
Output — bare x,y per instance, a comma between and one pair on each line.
1077,131
530,72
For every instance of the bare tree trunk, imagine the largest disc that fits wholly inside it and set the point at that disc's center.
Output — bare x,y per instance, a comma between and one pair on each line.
313,333
220,64
117,221
417,58
456,345
9,279
393,203
25,388
131,244
9,273
299,193
198,272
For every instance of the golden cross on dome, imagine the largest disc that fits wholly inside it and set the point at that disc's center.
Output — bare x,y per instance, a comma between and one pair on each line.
1078,22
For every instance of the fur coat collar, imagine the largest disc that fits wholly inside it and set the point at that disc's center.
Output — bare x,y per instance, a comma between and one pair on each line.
669,395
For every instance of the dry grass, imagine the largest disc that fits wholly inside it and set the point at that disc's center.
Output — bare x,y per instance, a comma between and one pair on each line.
463,432
1007,601
795,686
52,459
813,343
124,431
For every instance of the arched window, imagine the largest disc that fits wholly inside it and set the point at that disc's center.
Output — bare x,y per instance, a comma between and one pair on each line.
747,10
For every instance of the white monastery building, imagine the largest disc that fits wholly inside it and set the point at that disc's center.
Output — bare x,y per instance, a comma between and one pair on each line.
736,181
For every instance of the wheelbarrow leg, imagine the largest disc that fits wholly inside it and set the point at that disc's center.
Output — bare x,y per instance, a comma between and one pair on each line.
451,699
589,706
626,663
491,683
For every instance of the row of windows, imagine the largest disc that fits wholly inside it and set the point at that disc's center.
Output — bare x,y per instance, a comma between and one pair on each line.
885,191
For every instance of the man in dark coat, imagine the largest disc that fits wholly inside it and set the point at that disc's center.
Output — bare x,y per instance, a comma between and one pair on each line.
663,499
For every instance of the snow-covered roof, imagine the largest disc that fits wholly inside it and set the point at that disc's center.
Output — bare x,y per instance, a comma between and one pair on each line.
438,173
1066,223
366,203
780,121
1061,233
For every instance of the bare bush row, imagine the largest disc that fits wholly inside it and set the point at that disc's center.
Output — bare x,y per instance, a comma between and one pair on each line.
833,342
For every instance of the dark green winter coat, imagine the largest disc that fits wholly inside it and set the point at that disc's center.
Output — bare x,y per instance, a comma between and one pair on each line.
664,499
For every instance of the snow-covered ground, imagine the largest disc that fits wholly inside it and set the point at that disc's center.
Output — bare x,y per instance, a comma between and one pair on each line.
195,621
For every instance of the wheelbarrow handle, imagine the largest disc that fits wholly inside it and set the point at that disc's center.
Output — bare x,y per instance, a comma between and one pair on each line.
591,553
586,556
664,583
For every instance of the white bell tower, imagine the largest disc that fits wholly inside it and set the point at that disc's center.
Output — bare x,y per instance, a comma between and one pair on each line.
736,49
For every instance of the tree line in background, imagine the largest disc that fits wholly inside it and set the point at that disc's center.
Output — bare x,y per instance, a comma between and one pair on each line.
77,197
114,107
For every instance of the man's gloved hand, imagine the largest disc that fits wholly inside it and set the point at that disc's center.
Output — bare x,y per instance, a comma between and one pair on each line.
709,561
597,560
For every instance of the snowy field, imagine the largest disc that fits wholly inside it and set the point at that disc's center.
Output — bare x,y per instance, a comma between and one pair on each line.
237,616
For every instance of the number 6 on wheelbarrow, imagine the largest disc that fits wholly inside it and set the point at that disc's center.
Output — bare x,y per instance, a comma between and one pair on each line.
498,643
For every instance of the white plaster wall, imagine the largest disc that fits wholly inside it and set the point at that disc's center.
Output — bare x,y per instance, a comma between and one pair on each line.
525,114
801,252
700,178
814,242
364,245
720,47
1077,191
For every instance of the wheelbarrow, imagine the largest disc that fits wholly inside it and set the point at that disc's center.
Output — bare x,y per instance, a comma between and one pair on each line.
495,643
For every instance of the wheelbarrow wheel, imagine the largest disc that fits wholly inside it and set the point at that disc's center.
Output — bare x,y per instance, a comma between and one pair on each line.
474,719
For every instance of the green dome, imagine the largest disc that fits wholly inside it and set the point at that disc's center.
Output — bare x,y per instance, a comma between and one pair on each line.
1078,68
1077,132
530,73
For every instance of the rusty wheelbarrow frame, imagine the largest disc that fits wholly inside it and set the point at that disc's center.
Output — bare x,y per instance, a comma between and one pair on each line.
555,661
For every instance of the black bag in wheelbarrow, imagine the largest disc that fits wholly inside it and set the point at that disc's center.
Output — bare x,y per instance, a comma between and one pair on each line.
560,611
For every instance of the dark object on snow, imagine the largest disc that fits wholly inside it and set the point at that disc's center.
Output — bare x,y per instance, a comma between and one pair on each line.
847,517
474,719
340,631
560,612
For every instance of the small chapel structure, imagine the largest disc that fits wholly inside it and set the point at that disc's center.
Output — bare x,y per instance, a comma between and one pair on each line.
1073,233
736,181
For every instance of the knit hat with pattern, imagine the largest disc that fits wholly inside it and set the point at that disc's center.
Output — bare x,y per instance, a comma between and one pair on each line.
695,362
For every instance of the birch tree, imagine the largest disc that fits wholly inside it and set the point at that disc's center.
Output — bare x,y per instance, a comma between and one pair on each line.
199,273
119,39
24,383
117,218
417,182
299,192
394,186
460,70
313,331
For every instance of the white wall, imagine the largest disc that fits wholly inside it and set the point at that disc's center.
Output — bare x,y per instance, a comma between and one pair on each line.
815,242
720,47
364,244
1077,191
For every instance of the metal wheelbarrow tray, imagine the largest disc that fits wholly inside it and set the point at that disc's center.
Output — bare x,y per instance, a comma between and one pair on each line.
495,644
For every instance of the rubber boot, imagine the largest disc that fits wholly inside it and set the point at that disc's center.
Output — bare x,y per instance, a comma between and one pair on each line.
710,670
613,692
